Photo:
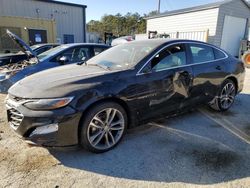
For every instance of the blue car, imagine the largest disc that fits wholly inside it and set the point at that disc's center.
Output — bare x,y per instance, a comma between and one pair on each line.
61,55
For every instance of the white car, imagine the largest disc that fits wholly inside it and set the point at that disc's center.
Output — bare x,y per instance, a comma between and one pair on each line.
121,40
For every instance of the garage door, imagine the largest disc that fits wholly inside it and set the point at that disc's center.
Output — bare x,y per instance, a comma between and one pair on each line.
233,31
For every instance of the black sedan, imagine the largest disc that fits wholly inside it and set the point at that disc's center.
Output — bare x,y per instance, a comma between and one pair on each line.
94,103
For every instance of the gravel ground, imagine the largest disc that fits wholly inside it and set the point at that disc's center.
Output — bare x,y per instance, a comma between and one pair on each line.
197,149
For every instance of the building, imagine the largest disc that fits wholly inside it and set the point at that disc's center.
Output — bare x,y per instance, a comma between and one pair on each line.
40,21
23,27
223,23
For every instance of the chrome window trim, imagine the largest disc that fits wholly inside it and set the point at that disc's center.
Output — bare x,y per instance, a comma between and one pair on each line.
188,42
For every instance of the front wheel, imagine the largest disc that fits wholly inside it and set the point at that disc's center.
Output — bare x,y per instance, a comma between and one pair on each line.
103,127
226,96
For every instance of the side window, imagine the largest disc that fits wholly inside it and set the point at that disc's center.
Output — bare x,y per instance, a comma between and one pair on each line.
201,53
98,50
172,56
218,54
74,55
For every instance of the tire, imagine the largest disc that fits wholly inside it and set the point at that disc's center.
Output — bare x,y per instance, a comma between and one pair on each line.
225,97
103,127
246,59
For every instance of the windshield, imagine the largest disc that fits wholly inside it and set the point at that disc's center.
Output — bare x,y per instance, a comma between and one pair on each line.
34,47
51,52
123,56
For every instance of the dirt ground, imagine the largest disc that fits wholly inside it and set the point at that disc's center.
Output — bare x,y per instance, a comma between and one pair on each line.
197,149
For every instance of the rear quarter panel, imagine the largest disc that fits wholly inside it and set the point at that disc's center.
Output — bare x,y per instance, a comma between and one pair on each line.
235,68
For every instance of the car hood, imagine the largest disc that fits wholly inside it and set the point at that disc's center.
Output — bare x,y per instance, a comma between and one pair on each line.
57,82
3,56
24,47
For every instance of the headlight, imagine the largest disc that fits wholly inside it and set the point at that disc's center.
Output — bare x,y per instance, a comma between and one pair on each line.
48,104
3,76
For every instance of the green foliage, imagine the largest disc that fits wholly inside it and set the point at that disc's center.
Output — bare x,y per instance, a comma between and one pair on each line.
119,25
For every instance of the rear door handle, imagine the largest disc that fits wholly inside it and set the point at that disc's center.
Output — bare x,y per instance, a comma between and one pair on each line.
218,67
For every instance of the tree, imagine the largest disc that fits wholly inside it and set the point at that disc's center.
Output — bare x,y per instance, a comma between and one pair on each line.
119,25
152,13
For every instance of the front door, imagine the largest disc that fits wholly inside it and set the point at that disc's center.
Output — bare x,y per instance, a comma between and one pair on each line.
73,55
167,85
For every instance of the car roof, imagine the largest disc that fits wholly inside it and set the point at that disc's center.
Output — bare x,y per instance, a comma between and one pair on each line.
84,44
45,44
162,41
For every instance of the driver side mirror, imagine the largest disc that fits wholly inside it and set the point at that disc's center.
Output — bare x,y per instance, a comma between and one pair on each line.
62,60
83,60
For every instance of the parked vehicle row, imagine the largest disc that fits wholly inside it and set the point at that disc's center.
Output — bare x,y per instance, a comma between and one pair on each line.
26,51
92,104
34,62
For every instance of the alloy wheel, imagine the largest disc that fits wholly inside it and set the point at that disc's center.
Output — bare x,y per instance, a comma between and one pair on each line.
106,128
227,96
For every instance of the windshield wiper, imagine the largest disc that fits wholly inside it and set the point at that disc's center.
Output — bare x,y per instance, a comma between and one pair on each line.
94,64
98,65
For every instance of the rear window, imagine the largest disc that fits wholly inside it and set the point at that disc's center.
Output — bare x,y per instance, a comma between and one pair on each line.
218,54
201,53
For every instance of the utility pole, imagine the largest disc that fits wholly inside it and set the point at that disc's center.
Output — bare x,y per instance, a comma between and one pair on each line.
159,6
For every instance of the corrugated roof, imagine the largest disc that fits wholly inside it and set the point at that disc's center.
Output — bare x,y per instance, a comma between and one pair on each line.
63,3
193,9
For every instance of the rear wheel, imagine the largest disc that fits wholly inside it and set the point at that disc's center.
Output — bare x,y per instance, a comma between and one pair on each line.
226,96
103,127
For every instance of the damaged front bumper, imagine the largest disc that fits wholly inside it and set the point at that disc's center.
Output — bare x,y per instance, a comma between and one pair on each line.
57,128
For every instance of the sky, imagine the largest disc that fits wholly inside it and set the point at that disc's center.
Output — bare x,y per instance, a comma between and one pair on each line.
97,8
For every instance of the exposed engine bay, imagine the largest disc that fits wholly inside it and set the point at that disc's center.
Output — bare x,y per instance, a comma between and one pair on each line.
12,68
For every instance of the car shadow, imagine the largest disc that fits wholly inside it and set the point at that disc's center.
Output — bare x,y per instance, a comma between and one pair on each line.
189,148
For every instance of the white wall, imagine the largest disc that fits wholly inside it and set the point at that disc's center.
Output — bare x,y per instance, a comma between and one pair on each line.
141,36
92,37
193,21
233,32
234,8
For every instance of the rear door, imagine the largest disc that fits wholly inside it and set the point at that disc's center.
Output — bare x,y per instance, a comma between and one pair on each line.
208,65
